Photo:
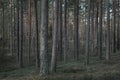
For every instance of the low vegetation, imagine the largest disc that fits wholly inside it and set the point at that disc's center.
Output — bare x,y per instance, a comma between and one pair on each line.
71,71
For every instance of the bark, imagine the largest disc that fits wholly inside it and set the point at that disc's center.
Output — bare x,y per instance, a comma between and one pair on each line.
114,26
11,29
60,30
18,29
87,36
55,38
97,30
118,28
44,63
37,36
21,35
76,29
100,30
14,33
65,31
3,27
29,53
92,30
108,32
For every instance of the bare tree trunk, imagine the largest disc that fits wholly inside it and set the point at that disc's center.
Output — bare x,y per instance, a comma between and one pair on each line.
44,63
11,29
3,28
60,30
76,28
55,38
65,31
37,36
92,30
100,30
29,53
21,35
87,36
18,31
114,26
15,32
118,26
97,30
108,32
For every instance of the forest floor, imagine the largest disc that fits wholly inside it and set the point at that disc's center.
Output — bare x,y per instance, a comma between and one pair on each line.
72,70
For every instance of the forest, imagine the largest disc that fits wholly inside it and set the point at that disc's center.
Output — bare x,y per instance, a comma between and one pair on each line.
59,39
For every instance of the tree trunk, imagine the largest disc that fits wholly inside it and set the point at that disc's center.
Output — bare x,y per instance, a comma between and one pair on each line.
60,30
76,29
118,26
3,28
114,26
21,35
37,36
65,31
97,30
87,36
108,32
55,38
29,12
100,30
18,31
44,63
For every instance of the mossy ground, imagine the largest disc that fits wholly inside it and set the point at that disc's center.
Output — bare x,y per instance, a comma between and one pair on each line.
72,70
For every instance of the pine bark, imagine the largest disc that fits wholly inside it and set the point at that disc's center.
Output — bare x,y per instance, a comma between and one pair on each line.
21,35
44,63
60,30
55,38
65,31
76,29
37,36
108,32
87,36
100,30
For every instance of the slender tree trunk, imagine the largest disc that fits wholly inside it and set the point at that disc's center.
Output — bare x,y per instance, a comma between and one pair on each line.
60,30
108,32
92,27
21,35
44,63
114,26
65,30
29,53
55,38
14,33
87,36
76,29
97,31
3,28
11,29
100,30
37,35
118,26
18,30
